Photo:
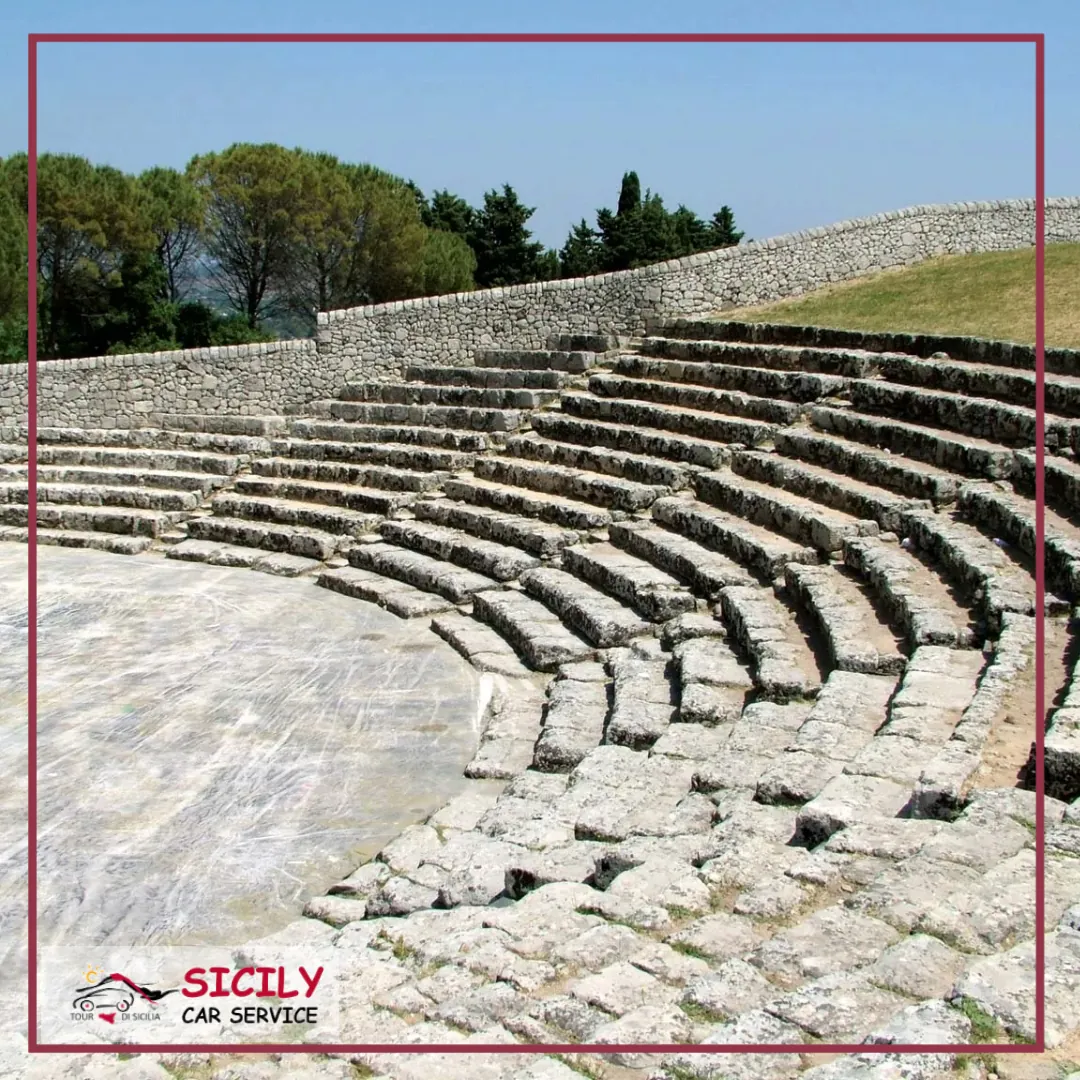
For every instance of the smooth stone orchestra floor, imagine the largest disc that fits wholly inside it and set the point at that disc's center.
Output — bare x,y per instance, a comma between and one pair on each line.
215,744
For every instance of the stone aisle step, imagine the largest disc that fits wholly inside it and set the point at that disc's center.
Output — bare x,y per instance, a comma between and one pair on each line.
97,541
863,501
803,520
966,455
686,395
800,386
761,549
713,682
637,468
599,618
497,561
784,664
917,599
629,439
717,427
645,699
856,637
396,435
872,466
536,632
703,570
575,715
633,581
382,477
536,537
571,514
405,601
512,726
423,572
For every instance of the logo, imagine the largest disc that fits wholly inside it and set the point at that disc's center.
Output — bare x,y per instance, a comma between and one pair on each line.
114,994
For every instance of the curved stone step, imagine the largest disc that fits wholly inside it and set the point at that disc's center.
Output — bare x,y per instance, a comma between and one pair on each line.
405,601
655,594
14,452
1061,478
325,517
406,434
536,537
915,597
201,483
631,440
984,418
468,397
572,361
704,570
439,416
800,519
863,501
324,493
496,378
97,541
143,498
597,617
192,442
960,454
761,549
383,477
850,363
129,521
690,396
214,424
497,561
857,639
485,649
617,463
558,511
421,571
310,543
536,632
1061,392
140,458
400,456
216,553
784,664
1011,517
717,427
575,714
801,386
868,464
583,486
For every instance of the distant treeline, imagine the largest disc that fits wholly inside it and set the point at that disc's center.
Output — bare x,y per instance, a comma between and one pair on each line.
249,243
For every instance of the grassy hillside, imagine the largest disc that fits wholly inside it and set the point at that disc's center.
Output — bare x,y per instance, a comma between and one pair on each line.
989,295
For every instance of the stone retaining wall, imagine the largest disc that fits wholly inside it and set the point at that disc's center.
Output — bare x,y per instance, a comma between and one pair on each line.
375,342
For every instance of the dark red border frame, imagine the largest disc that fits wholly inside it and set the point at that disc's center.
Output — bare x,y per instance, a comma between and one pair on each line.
1038,40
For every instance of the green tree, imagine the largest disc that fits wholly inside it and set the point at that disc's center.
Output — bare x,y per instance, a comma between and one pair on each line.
722,229
173,209
504,253
13,246
691,233
582,254
629,195
253,198
449,213
449,264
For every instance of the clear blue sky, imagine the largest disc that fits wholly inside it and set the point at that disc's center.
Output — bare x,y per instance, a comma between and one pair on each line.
791,136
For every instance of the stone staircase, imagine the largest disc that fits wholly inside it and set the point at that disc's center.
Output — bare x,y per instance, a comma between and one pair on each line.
755,610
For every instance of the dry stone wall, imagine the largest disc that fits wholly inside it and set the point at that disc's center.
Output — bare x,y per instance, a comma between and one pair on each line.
375,342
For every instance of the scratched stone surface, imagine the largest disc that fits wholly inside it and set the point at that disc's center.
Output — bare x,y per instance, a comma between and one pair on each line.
212,750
